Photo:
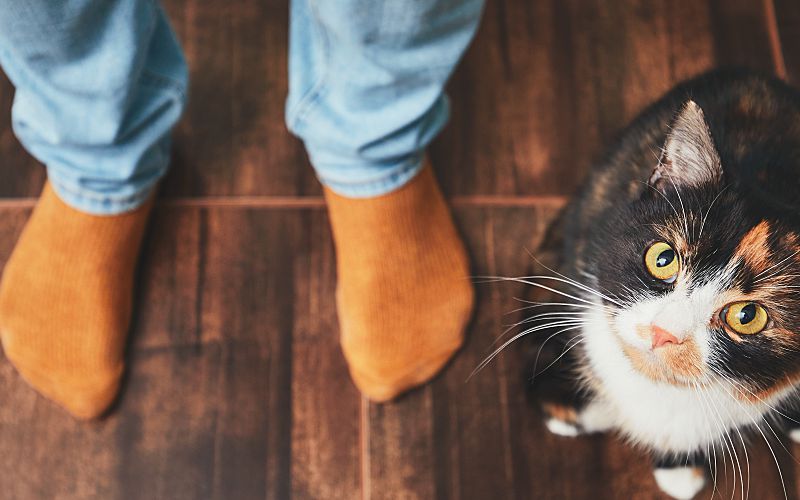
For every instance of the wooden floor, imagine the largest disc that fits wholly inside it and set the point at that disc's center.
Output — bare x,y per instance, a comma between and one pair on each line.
237,388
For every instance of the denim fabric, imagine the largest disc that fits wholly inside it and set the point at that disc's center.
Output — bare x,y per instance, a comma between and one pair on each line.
366,84
99,85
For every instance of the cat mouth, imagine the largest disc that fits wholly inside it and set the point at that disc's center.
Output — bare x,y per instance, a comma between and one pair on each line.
676,364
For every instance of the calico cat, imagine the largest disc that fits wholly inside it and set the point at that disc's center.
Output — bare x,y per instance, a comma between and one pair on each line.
680,264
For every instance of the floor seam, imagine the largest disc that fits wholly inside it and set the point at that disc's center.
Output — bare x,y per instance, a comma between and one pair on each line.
776,48
300,202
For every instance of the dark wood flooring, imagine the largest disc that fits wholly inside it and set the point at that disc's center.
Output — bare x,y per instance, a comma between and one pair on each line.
237,388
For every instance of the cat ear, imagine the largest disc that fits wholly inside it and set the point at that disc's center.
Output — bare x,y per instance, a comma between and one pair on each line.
689,157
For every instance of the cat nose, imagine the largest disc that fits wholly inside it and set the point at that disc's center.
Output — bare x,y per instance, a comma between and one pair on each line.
661,337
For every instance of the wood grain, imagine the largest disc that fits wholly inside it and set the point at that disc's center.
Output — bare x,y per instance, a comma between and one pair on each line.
547,84
229,393
246,395
232,140
787,25
544,86
236,385
20,174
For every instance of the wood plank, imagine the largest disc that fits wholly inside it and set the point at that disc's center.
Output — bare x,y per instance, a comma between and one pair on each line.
232,140
20,174
542,89
452,439
742,37
547,85
326,406
787,16
236,385
401,459
207,415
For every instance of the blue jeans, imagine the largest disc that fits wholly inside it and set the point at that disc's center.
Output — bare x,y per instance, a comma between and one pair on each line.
100,84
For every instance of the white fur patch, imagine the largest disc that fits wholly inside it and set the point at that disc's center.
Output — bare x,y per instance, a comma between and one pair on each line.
667,417
794,435
561,428
596,417
682,483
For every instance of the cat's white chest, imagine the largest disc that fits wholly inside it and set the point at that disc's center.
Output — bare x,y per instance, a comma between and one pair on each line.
660,415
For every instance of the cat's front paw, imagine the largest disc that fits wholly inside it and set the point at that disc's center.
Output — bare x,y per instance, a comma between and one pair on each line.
561,420
562,428
682,483
567,421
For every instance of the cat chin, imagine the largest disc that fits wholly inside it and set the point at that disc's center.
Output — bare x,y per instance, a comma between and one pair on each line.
660,416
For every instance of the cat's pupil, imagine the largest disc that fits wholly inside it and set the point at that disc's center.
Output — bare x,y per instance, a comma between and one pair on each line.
665,258
747,314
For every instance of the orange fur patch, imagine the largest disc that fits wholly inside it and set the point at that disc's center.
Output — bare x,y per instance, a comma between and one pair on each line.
764,395
560,412
754,247
673,363
644,332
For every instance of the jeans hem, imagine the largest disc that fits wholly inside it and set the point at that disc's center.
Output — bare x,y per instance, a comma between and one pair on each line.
391,180
95,204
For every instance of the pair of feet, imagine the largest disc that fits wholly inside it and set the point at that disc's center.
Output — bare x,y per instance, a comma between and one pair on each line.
403,296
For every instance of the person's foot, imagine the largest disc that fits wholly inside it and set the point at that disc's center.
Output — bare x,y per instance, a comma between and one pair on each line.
65,302
403,295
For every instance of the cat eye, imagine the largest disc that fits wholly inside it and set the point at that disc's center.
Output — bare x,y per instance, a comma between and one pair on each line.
746,318
661,262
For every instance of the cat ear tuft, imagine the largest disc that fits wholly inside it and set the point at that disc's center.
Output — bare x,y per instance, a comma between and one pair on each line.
689,157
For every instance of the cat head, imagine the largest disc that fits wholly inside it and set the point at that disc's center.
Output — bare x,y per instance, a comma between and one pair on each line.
701,274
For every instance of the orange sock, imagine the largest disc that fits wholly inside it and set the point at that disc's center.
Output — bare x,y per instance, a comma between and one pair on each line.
404,295
65,302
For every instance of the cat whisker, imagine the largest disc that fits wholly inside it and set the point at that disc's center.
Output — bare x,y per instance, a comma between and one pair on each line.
656,225
557,315
541,347
491,279
760,431
663,196
572,281
774,266
595,282
567,314
740,387
496,352
725,436
552,304
703,223
683,208
744,449
564,280
710,447
771,429
786,276
539,317
566,350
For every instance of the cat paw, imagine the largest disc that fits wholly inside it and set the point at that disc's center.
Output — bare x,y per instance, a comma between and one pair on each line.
562,428
561,420
682,483
567,421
